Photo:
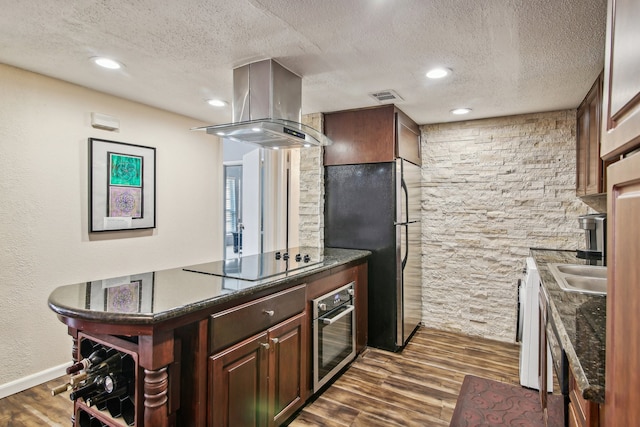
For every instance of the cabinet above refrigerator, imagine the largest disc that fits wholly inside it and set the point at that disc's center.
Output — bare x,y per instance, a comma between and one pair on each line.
371,135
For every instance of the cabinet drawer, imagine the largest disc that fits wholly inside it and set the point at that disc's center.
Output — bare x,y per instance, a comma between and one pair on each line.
231,326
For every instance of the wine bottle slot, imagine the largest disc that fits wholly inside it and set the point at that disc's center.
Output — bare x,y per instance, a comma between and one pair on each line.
87,347
84,419
89,389
74,380
60,389
114,406
105,397
128,410
101,406
111,365
94,358
114,382
104,379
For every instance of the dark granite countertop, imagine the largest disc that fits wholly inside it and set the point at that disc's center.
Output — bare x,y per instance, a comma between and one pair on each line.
154,297
580,320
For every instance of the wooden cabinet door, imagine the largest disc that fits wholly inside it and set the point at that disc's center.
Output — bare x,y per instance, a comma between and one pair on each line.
589,177
573,421
621,130
238,384
360,136
408,139
371,135
593,162
287,368
582,144
582,412
622,393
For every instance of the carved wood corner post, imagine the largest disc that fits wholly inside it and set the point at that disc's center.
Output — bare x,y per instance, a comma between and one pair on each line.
73,333
156,354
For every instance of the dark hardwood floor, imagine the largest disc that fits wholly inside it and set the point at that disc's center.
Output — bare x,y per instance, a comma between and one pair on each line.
417,387
36,407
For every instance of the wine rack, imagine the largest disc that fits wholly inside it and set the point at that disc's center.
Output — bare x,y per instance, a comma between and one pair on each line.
122,407
86,419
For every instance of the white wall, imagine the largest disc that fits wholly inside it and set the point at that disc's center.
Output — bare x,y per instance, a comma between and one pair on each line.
44,242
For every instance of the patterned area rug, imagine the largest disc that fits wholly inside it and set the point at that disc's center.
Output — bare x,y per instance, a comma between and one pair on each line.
483,402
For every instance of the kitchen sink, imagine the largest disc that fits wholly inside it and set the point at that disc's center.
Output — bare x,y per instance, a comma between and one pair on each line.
588,279
583,270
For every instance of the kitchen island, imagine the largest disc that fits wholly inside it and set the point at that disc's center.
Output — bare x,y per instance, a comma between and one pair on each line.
578,320
173,325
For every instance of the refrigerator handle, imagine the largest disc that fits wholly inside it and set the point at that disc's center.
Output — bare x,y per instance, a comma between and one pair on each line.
406,246
406,221
406,200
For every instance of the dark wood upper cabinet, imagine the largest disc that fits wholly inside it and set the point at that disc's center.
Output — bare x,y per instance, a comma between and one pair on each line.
621,106
407,138
371,135
589,166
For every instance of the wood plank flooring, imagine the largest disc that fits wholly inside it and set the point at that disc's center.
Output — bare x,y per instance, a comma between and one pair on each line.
36,407
417,387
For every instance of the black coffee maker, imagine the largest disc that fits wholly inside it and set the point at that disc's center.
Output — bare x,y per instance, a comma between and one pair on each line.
595,232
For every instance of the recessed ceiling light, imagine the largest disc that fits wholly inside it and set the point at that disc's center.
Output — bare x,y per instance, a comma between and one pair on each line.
220,133
216,103
438,73
107,63
460,111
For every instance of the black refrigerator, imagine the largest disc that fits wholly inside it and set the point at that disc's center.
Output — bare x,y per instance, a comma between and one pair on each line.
376,206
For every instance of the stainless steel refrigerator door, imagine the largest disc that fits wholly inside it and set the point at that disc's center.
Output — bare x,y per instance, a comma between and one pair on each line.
408,249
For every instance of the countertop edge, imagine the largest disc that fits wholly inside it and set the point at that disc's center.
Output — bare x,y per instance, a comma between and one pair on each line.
334,257
588,390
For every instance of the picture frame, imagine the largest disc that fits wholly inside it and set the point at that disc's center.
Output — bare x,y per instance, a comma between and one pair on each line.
122,186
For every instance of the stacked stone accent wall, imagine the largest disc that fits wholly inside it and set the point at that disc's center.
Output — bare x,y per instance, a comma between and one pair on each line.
312,189
492,189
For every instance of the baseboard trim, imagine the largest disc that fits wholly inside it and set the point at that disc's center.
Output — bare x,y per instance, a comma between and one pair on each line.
32,380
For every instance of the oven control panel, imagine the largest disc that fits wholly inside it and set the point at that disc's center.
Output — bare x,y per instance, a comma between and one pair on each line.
334,299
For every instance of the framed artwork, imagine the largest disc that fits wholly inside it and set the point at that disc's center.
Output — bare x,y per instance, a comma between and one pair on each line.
122,186
127,294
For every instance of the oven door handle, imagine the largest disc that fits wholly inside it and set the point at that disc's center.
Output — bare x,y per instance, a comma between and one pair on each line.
329,321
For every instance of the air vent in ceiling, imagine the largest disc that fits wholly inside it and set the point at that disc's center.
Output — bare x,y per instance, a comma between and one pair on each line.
385,96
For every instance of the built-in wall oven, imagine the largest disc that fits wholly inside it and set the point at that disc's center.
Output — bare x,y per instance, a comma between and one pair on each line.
334,333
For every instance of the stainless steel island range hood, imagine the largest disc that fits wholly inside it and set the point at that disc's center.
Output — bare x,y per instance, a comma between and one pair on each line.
267,109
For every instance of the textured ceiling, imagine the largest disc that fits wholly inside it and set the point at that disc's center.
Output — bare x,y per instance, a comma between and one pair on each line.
508,57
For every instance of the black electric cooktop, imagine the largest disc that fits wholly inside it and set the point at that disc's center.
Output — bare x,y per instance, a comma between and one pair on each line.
262,266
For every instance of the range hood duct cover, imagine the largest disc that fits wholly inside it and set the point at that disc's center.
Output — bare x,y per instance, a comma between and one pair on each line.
267,109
